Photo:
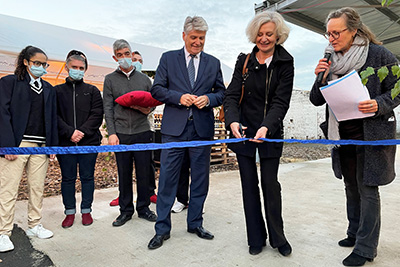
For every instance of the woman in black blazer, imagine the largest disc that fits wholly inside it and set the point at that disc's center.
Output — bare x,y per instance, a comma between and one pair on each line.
28,118
267,90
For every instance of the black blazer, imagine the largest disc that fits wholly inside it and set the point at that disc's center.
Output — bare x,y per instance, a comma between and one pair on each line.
15,105
277,83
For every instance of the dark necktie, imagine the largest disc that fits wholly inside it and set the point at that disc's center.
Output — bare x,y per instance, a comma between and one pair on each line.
191,70
36,84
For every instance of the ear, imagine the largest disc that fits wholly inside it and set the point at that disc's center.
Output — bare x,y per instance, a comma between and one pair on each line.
115,58
66,68
183,36
26,62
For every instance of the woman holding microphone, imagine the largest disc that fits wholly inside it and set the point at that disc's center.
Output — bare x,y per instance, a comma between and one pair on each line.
364,168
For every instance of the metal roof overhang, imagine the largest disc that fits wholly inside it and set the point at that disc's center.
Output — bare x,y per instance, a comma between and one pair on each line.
383,21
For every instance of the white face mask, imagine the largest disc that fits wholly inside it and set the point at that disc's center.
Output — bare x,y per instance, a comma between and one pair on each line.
125,62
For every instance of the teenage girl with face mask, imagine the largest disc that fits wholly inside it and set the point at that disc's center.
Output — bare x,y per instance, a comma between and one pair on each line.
28,118
80,114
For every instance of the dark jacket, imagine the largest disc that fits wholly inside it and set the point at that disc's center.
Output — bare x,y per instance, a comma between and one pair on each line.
15,105
379,160
253,111
84,112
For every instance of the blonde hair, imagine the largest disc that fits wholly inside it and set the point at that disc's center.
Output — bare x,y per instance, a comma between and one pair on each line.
353,22
282,30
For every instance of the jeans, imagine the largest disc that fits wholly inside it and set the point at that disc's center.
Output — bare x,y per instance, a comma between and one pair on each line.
68,165
363,202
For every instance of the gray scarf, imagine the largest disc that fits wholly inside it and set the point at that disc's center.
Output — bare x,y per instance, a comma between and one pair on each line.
342,64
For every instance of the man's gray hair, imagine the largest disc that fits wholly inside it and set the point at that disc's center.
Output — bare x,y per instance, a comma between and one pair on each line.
195,23
121,44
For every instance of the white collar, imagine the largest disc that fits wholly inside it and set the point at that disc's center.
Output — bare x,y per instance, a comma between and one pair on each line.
33,80
187,54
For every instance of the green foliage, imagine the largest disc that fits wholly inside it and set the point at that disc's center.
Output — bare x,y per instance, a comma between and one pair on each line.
383,73
108,157
387,3
396,71
365,74
396,89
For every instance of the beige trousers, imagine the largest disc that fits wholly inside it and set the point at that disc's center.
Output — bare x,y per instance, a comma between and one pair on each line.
10,177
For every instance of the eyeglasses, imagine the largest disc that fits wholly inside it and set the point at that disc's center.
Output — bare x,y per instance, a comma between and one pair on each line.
335,35
38,64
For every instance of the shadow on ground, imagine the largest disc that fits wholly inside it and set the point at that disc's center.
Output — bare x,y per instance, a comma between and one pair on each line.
24,255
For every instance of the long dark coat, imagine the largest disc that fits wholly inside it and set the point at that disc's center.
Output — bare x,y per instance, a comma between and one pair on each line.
379,160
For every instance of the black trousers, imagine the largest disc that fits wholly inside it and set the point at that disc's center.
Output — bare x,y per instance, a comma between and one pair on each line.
144,173
271,190
363,204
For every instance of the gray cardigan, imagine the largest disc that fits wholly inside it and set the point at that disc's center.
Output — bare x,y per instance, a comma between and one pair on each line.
121,119
379,160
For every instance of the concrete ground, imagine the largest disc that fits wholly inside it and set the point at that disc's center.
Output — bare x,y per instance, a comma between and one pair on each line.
313,212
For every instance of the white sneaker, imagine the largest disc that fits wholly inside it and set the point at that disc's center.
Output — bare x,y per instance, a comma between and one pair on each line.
5,243
39,231
178,207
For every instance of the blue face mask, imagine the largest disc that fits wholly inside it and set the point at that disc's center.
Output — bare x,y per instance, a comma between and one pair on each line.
76,74
125,62
37,71
137,65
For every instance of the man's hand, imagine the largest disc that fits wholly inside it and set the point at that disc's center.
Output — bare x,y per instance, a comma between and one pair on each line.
145,111
187,100
11,157
113,140
261,133
201,101
77,136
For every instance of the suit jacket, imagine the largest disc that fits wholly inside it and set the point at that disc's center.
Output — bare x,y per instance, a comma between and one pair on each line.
172,81
15,105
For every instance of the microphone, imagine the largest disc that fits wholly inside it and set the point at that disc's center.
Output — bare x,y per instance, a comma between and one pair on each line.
328,53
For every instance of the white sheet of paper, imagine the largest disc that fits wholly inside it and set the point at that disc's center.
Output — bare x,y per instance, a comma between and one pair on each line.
343,96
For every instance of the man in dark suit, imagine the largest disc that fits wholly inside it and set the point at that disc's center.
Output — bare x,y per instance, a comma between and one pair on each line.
190,84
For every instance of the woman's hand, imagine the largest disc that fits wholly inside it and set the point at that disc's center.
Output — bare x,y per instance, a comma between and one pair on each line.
77,136
323,66
11,157
368,106
261,133
235,128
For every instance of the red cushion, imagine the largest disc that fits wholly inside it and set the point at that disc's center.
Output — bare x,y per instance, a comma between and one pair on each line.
138,98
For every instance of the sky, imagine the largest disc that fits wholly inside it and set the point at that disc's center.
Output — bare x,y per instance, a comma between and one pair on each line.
159,23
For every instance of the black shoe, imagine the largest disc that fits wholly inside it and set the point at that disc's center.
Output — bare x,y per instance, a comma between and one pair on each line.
201,232
121,220
285,250
148,215
355,260
347,242
254,250
157,241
